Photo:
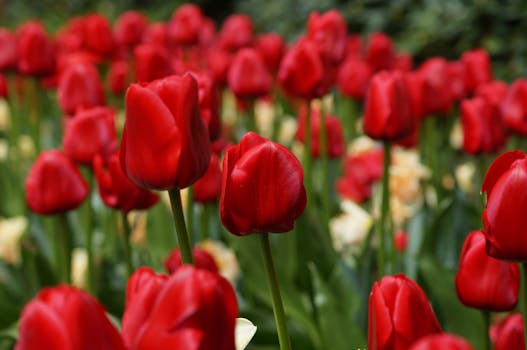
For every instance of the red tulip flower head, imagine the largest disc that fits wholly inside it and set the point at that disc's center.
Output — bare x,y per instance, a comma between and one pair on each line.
165,141
192,309
236,32
116,190
388,114
80,86
151,62
483,282
202,260
329,32
514,107
88,133
98,36
271,47
456,73
380,51
118,77
208,188
262,187
65,317
507,333
129,28
504,215
8,50
209,103
477,68
155,33
437,95
185,26
54,184
248,77
354,77
398,314
442,341
36,52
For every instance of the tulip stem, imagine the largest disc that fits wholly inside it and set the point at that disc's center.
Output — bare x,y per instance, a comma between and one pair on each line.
272,280
524,304
62,249
90,285
127,230
384,251
324,176
486,326
307,154
181,229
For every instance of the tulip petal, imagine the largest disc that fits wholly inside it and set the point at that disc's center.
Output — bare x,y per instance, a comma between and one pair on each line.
497,168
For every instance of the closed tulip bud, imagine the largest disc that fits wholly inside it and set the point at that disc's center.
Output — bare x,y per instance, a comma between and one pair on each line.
248,77
437,94
329,32
118,77
202,260
209,103
129,28
88,133
354,46
456,73
165,141
65,317
98,36
271,47
477,68
415,85
116,190
403,61
80,86
388,114
392,300
503,217
236,32
185,26
155,33
208,188
36,52
493,92
334,135
379,52
514,107
507,333
8,50
301,72
483,131
483,282
151,62
276,179
353,77
219,62
443,341
191,309
54,184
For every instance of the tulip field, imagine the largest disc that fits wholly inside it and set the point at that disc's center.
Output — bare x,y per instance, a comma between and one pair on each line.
197,184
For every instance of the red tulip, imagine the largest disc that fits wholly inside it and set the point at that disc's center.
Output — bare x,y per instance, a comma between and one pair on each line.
151,62
354,46
88,133
483,131
443,341
275,178
360,172
302,73
415,84
507,333
54,184
271,47
155,33
398,314
387,113
248,77
456,73
400,241
334,136
185,26
437,96
208,188
116,190
209,103
3,86
503,216
219,62
118,77
65,317
380,53
353,77
165,142
329,32
483,282
80,86
192,309
493,92
477,68
36,52
98,36
514,107
8,50
129,28
202,260
403,61
236,32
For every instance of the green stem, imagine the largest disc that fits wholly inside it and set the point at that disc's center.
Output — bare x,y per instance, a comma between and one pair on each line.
486,326
90,285
523,290
251,117
384,251
306,156
190,213
205,221
181,229
278,308
127,231
324,176
62,248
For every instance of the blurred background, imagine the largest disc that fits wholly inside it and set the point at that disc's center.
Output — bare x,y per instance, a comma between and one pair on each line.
423,27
